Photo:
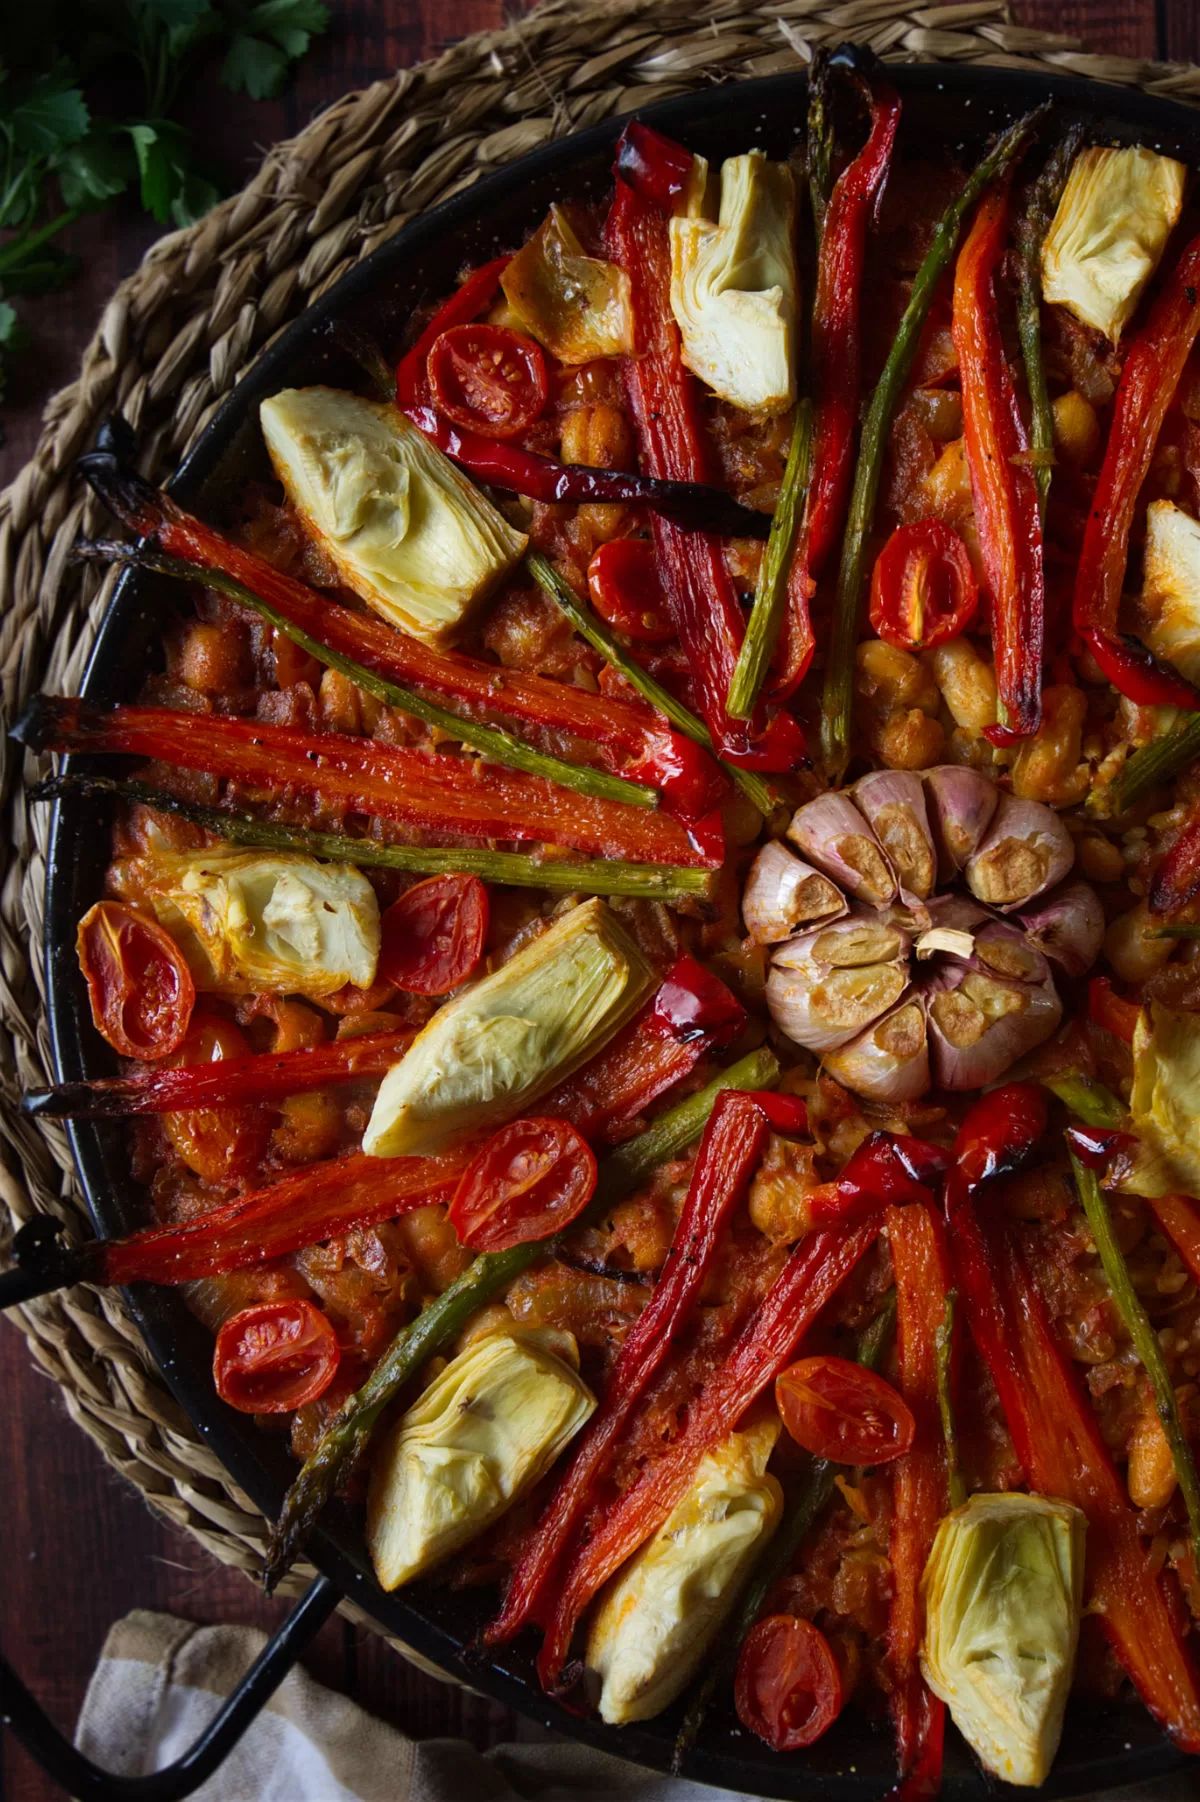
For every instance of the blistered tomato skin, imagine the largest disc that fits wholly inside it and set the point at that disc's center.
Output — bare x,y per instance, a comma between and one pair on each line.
139,986
433,937
488,379
789,1688
837,1409
273,1358
530,1180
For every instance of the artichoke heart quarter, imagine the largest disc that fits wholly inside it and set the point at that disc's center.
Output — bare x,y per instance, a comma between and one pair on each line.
407,531
734,287
483,1433
1117,211
1171,586
660,1614
1003,1594
1163,1102
255,923
503,1042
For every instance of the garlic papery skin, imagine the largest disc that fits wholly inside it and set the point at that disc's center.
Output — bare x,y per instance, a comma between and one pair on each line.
962,802
890,1060
979,1026
782,893
1025,851
834,836
1068,927
1004,951
893,804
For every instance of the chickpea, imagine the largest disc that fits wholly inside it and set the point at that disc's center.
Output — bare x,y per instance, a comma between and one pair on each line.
598,436
309,1128
341,703
1150,1478
909,741
1099,859
1076,430
778,1200
212,658
947,487
1047,767
298,1027
1131,947
892,679
431,1245
967,682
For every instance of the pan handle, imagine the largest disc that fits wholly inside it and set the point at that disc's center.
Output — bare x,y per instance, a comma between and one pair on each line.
82,1779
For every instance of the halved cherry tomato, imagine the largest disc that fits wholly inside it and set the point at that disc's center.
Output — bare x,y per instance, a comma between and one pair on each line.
836,1409
217,1142
139,985
923,588
488,378
1110,1010
626,592
789,1687
273,1358
433,936
531,1179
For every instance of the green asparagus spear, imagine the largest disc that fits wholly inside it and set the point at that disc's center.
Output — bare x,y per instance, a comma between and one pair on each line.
813,1497
489,741
1088,1100
659,882
598,636
1145,1342
1158,762
348,1433
945,1361
770,595
1033,223
838,699
1176,932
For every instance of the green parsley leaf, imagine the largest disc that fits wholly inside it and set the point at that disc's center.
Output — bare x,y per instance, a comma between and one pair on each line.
94,170
266,37
197,196
47,115
254,67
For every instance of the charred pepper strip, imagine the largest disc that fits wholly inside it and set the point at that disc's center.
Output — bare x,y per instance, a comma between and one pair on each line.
838,699
625,737
730,1152
1145,1340
1006,497
837,372
663,399
814,1497
317,1202
1054,1432
602,876
268,1076
1151,373
1179,1219
919,1486
813,1273
752,785
692,1014
489,741
439,794
346,1437
1177,878
886,1169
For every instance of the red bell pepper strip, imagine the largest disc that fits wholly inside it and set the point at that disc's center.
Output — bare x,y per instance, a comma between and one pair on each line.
887,1168
663,399
1095,1146
1111,1011
1054,1432
437,794
305,1207
1004,489
1153,366
924,1780
729,1154
919,1487
626,737
1176,881
836,358
235,1081
1179,1219
692,1014
768,1343
655,167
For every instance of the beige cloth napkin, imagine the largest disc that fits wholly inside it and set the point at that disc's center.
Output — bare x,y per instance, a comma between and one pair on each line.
160,1681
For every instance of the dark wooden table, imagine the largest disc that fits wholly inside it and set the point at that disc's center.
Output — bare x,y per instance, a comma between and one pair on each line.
80,1546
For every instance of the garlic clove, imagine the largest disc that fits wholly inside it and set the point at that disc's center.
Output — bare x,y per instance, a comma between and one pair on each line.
890,1060
1068,926
782,893
832,834
962,803
893,804
823,1009
979,1026
1025,851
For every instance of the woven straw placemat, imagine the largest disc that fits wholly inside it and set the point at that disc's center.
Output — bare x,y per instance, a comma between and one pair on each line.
172,342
